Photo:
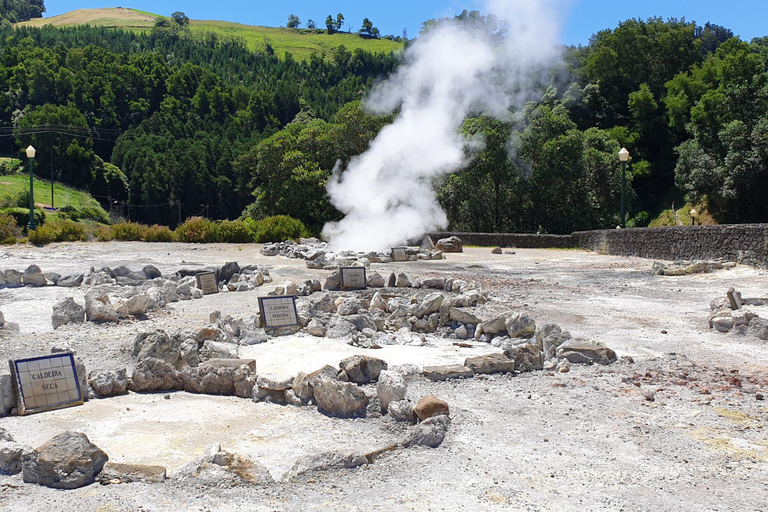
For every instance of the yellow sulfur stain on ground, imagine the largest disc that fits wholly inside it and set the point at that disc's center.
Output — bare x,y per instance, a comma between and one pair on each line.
496,499
740,448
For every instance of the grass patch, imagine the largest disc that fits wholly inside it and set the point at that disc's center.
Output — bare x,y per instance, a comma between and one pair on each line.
13,185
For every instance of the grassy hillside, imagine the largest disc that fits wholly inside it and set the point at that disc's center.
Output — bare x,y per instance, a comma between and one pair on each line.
300,43
12,185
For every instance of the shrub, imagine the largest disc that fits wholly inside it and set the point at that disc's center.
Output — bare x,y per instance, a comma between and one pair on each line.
94,213
61,230
103,233
196,230
22,215
279,228
157,233
9,230
127,231
234,231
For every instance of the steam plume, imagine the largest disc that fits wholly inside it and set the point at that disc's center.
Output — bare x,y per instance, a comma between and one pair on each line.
451,71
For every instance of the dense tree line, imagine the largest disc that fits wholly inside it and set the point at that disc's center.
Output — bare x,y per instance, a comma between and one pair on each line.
12,11
181,124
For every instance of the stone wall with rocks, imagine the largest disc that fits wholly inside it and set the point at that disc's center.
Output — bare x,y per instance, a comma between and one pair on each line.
743,243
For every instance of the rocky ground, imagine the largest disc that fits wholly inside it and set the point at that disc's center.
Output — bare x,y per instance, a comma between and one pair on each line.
679,425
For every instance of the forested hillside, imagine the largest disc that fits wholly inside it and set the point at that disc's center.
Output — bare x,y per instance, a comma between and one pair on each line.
171,124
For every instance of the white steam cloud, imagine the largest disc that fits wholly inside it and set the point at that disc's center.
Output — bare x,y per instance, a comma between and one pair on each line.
456,69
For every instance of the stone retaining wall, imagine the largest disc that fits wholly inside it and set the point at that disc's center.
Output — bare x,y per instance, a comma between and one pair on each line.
744,243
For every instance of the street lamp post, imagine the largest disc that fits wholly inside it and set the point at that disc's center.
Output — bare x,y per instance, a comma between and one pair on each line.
31,157
694,214
624,158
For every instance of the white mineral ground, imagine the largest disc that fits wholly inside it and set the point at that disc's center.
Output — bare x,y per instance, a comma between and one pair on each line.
583,440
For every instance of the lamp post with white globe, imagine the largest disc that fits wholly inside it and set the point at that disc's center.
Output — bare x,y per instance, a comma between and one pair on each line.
31,156
624,158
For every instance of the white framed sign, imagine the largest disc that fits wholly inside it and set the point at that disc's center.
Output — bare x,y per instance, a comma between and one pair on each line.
353,278
45,383
206,281
278,311
398,254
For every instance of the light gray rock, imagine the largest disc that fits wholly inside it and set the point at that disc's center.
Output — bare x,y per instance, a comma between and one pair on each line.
429,304
402,410
493,327
10,455
134,306
221,377
98,307
447,372
301,387
520,325
553,341
450,244
363,369
333,281
217,467
496,250
67,461
226,272
461,333
158,345
375,280
581,353
527,357
67,311
362,322
490,363
325,461
340,329
13,278
316,328
463,317
275,381
391,387
339,399
429,432
402,281
33,276
129,473
108,383
722,323
153,374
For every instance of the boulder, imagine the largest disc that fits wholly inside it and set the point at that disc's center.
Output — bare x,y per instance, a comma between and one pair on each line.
219,467
340,399
349,306
520,325
135,306
67,461
226,272
447,372
315,328
13,278
221,377
108,383
324,462
155,375
275,381
98,307
375,280
158,345
493,327
67,311
363,369
402,410
490,363
450,244
391,387
429,304
301,387
496,250
333,281
151,272
577,352
429,432
362,322
10,454
463,317
115,472
402,281
33,276
526,357
430,406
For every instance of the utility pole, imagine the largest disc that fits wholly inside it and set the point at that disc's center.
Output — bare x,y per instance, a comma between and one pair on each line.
50,143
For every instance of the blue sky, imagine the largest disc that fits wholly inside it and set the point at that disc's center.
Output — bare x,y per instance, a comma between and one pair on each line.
581,19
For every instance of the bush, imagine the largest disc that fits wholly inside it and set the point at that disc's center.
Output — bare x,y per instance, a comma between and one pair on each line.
196,230
279,228
103,233
61,230
94,213
157,233
9,230
127,232
22,215
234,231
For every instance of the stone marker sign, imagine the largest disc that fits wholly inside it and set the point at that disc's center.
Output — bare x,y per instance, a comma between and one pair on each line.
278,311
398,254
45,383
206,281
353,278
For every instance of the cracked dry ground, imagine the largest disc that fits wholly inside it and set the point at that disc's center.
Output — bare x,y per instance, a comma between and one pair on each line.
682,428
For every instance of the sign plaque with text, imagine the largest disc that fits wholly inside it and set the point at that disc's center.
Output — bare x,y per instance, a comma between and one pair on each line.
353,278
278,311
206,281
45,383
398,254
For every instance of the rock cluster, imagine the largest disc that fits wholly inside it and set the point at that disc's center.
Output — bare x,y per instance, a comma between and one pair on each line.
733,313
317,256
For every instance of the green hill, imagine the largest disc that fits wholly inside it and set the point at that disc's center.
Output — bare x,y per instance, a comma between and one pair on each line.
301,43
